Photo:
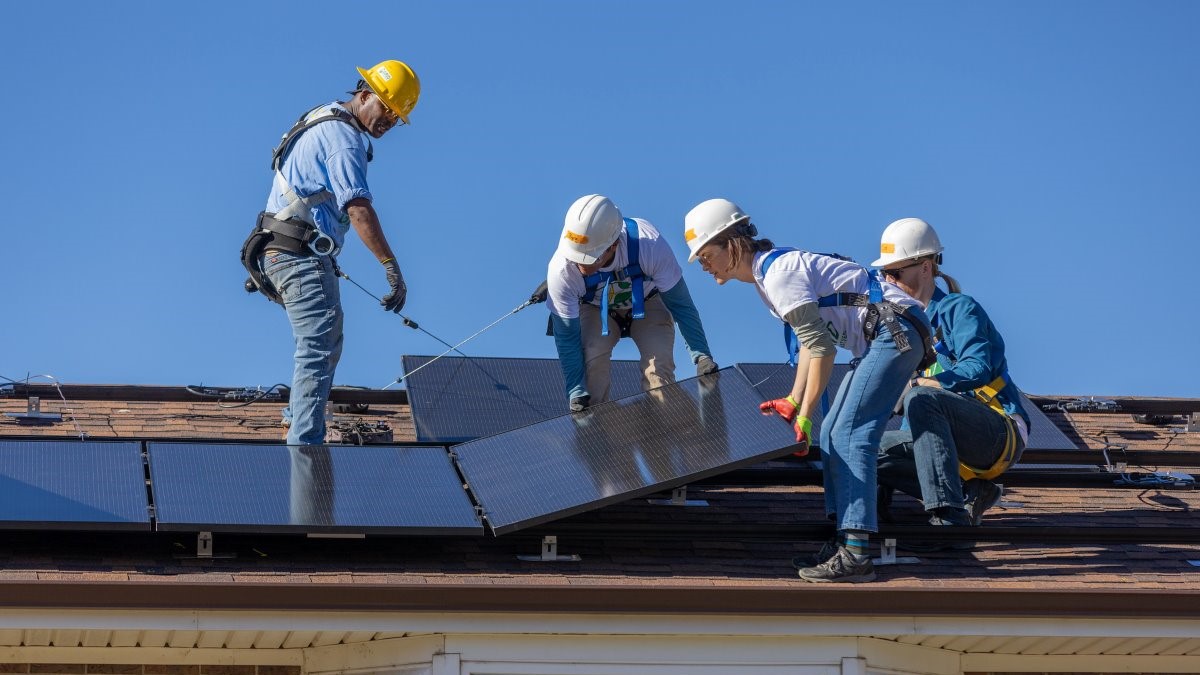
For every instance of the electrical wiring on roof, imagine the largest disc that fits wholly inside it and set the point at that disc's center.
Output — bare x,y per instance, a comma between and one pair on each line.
243,397
53,380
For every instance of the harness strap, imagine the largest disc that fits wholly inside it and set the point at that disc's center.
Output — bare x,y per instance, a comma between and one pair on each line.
1002,464
297,206
600,281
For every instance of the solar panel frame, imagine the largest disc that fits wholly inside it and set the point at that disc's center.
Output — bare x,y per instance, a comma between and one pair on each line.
260,488
101,477
541,472
500,393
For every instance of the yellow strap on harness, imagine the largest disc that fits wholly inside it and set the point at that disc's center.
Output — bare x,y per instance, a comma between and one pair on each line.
987,396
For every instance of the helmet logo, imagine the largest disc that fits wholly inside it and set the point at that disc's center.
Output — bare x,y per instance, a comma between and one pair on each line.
886,247
689,235
384,74
580,239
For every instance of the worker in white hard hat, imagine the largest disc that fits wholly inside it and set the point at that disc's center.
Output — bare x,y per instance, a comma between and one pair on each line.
613,277
318,193
826,302
963,419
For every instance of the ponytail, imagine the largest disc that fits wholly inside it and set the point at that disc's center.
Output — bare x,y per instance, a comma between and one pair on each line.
951,282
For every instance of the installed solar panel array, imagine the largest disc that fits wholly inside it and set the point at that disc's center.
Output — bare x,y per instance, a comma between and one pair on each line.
317,489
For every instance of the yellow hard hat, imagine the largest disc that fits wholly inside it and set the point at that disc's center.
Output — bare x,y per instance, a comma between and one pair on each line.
396,84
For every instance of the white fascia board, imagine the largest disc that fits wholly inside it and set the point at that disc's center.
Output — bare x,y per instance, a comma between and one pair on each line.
1097,663
152,655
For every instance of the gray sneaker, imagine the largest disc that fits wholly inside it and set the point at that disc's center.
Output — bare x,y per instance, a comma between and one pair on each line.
827,551
843,568
980,495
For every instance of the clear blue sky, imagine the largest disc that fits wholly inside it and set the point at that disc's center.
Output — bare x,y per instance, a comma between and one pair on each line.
1054,145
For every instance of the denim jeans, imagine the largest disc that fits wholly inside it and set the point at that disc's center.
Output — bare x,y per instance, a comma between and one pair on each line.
311,297
851,430
944,428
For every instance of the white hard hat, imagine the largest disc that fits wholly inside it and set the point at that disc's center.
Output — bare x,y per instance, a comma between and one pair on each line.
906,239
710,218
592,224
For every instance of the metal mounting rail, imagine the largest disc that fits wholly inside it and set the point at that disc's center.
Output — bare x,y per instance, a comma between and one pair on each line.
1067,535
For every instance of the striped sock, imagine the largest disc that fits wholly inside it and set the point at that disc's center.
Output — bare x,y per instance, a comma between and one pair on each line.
857,542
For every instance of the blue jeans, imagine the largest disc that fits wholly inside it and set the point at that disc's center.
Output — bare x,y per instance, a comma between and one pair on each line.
313,302
851,430
944,429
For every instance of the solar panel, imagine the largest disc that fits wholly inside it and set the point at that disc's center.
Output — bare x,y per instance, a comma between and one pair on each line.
88,485
774,380
619,450
309,489
499,393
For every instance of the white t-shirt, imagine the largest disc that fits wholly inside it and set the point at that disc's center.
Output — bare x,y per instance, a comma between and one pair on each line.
799,277
564,283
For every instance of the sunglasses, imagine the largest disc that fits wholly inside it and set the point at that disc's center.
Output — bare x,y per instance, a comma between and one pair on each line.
894,273
392,117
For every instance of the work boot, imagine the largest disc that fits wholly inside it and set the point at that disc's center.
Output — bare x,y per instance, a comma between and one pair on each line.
827,551
981,495
843,568
941,517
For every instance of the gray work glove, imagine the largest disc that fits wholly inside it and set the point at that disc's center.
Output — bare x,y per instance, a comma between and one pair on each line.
580,403
705,365
394,300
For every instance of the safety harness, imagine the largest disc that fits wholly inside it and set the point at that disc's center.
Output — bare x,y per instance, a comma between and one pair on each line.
599,283
880,313
988,395
292,229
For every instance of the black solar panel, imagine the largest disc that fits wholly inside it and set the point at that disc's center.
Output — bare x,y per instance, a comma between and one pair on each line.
73,485
310,489
457,399
774,380
620,450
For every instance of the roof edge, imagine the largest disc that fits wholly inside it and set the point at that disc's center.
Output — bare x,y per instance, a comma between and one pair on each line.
692,599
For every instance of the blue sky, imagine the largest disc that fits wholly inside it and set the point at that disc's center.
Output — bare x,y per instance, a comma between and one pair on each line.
1053,145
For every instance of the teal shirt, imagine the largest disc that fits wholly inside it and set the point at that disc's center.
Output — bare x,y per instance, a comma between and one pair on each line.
971,350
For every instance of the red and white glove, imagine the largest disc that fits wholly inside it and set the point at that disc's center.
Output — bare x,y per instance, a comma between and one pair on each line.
784,407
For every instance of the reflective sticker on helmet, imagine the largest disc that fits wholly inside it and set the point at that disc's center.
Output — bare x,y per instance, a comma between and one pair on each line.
580,239
689,235
384,74
885,247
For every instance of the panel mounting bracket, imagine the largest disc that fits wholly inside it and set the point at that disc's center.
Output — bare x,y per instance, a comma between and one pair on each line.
887,555
679,498
550,552
204,549
33,413
1193,422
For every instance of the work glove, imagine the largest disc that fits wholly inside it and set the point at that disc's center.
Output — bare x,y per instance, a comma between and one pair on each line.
580,403
539,294
394,300
784,407
803,436
705,365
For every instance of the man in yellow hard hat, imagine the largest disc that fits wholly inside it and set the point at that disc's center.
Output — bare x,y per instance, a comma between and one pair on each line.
319,191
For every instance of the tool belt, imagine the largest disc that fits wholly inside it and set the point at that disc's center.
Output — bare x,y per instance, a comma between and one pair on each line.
293,236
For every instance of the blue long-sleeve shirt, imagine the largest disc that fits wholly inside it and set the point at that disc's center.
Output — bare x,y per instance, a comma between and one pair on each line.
973,350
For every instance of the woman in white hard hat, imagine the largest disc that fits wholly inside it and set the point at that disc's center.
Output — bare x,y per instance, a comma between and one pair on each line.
610,267
963,419
827,302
